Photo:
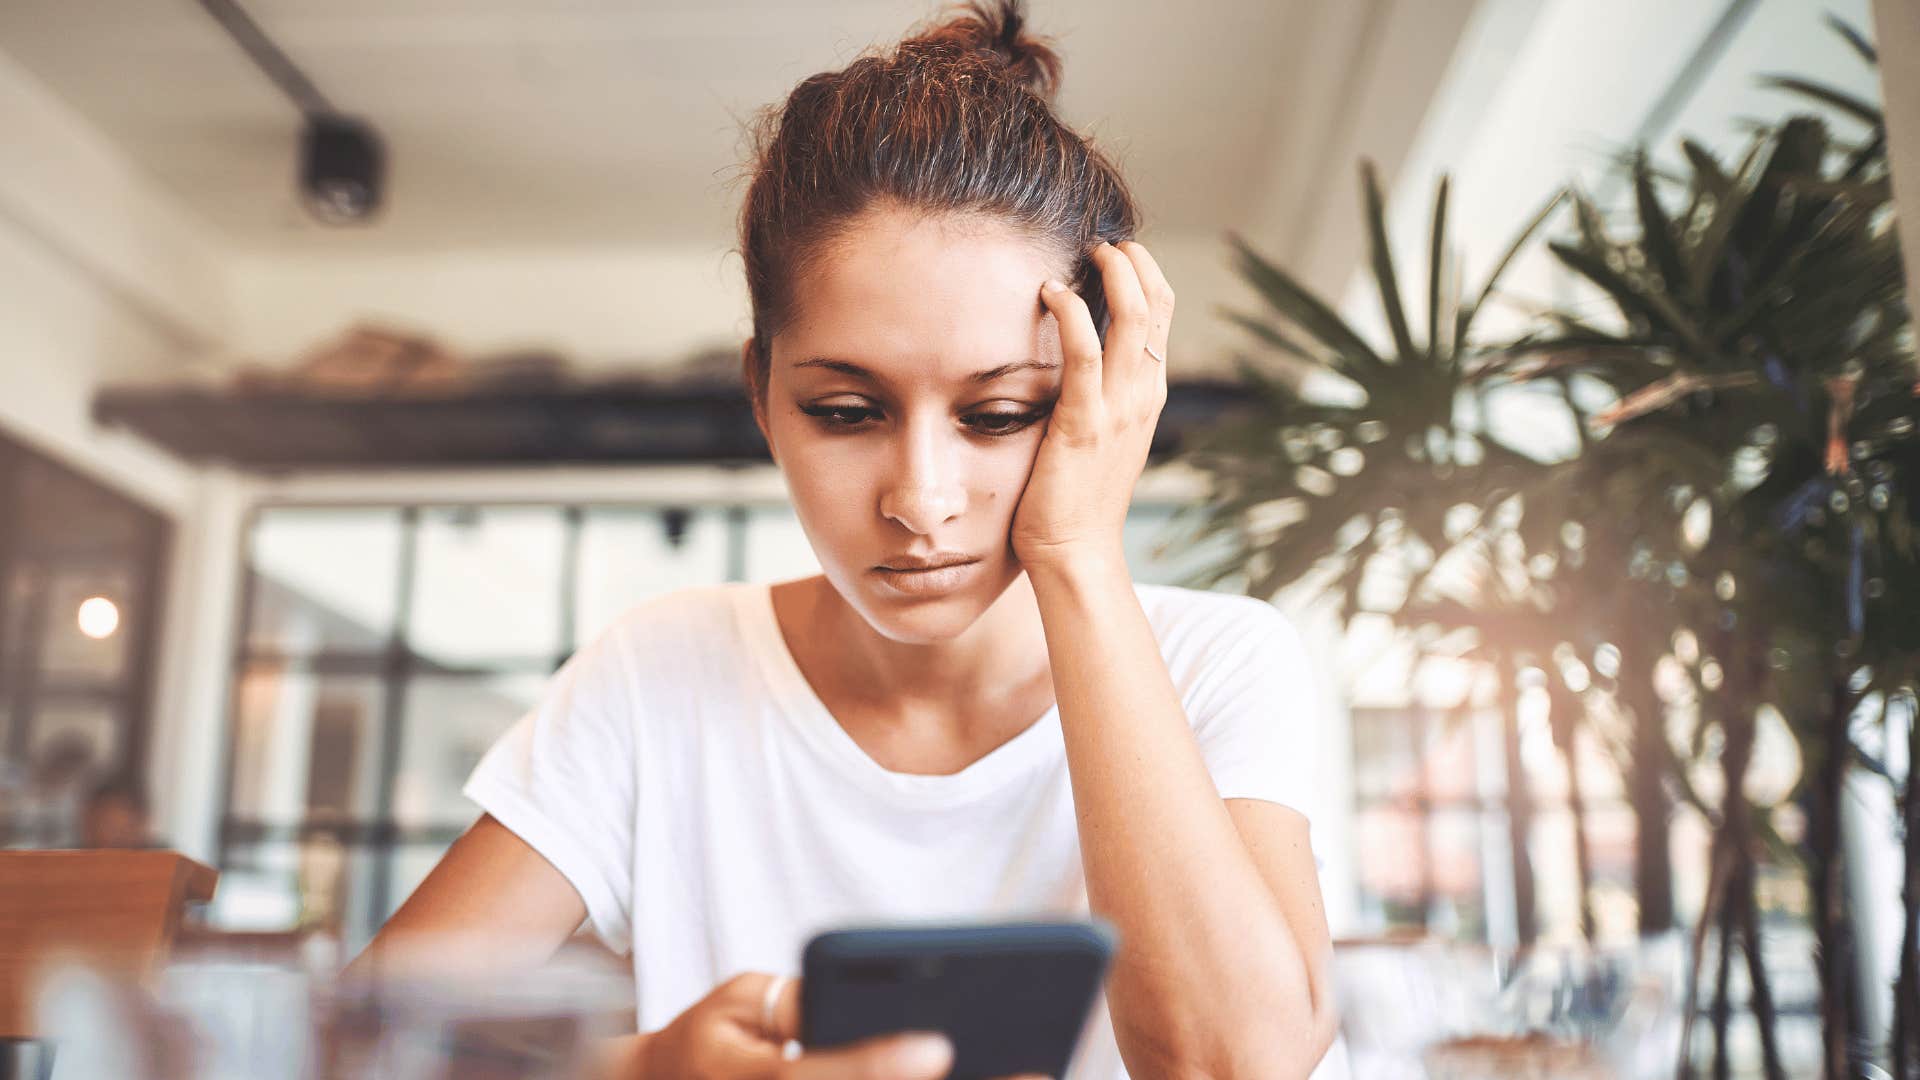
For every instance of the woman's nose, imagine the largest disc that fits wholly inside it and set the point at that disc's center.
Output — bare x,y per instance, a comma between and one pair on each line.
926,489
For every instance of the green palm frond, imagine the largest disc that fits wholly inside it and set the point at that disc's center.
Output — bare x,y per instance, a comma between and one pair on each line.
1827,95
1294,301
1382,259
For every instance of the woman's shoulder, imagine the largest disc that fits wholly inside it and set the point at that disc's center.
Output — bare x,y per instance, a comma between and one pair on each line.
683,640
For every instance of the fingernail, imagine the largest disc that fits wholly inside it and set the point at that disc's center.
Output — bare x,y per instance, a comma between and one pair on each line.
1054,285
926,1052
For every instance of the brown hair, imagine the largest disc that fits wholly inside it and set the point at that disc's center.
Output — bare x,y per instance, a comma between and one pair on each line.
955,120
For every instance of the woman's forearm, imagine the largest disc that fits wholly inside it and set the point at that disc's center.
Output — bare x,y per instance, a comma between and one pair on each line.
1209,979
622,1058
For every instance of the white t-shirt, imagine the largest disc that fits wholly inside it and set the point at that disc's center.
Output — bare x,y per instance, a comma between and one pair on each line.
713,815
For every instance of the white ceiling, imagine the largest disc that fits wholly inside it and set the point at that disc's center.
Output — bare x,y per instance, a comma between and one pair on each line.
516,123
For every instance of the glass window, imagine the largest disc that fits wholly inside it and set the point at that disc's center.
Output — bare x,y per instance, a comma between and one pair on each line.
259,887
777,548
407,866
1456,907
486,584
306,747
327,580
1157,554
96,726
16,617
315,881
627,556
89,615
447,723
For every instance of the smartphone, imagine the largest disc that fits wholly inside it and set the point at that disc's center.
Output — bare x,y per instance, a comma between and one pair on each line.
1012,997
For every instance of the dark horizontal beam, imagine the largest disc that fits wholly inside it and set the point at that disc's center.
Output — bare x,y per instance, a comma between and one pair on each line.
607,424
347,832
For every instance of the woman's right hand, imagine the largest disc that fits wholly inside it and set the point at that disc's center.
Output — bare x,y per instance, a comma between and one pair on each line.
721,1038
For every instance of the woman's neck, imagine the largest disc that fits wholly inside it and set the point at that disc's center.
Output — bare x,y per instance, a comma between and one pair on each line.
983,686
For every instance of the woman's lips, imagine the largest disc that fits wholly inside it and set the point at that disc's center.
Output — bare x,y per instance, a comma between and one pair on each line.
927,582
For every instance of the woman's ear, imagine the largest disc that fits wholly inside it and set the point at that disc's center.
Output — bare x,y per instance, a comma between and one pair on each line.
756,394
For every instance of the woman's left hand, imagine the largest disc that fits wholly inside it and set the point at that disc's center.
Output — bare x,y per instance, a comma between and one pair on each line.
1097,436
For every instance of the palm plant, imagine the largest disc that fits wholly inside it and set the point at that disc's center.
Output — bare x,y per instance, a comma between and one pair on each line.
1352,481
1753,486
1765,325
1364,497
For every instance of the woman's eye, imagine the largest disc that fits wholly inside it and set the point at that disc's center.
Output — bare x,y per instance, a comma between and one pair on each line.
1005,423
846,417
839,415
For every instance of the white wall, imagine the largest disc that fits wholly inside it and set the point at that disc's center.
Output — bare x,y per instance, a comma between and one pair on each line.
99,278
602,308
104,279
595,307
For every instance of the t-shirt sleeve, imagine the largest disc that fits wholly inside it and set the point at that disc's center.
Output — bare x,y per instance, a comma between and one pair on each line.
562,779
1256,709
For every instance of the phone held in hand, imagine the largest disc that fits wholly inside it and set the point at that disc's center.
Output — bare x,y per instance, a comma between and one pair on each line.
1012,997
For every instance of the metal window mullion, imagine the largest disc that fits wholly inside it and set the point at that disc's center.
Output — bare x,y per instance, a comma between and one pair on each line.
1422,730
736,542
574,517
25,693
398,671
242,633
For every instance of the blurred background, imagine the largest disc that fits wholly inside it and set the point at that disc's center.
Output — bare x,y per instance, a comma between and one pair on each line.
358,361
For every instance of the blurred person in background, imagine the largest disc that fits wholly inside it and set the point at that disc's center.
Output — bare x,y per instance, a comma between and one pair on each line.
114,814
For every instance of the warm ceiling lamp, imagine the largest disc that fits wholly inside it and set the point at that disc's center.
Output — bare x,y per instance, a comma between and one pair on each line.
99,617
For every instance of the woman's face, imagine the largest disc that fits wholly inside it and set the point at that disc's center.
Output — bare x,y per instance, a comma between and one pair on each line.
926,453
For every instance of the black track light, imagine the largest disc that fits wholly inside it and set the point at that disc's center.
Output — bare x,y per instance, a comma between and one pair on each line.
342,165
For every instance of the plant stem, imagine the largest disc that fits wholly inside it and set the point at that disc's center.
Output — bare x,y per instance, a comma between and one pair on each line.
1564,720
1723,965
1519,808
1762,989
1717,868
1837,1015
1652,808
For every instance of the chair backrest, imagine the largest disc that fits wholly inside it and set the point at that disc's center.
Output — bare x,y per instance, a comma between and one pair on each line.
116,909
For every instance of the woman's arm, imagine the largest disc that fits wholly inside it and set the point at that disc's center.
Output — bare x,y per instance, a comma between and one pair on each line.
1222,969
492,905
490,885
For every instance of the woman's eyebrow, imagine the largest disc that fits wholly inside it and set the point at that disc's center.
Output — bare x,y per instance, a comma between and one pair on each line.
848,367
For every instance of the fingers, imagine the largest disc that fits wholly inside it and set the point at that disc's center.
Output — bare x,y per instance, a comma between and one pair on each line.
1079,346
914,1056
1127,301
786,1011
1159,294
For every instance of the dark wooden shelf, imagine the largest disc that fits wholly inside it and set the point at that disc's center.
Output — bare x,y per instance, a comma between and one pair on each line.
620,422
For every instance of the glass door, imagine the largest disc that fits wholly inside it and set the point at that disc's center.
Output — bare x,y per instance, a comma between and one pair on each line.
81,569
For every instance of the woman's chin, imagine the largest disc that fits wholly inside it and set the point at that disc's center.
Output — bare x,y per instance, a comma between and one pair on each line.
918,615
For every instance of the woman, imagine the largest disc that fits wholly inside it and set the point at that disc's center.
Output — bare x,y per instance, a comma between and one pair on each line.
1021,729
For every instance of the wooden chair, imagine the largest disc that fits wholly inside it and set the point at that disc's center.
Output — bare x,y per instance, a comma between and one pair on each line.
115,909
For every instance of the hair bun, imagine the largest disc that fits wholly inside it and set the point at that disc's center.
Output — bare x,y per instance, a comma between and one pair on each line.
998,27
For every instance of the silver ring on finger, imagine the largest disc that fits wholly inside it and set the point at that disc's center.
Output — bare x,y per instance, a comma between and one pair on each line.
1155,354
768,1001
